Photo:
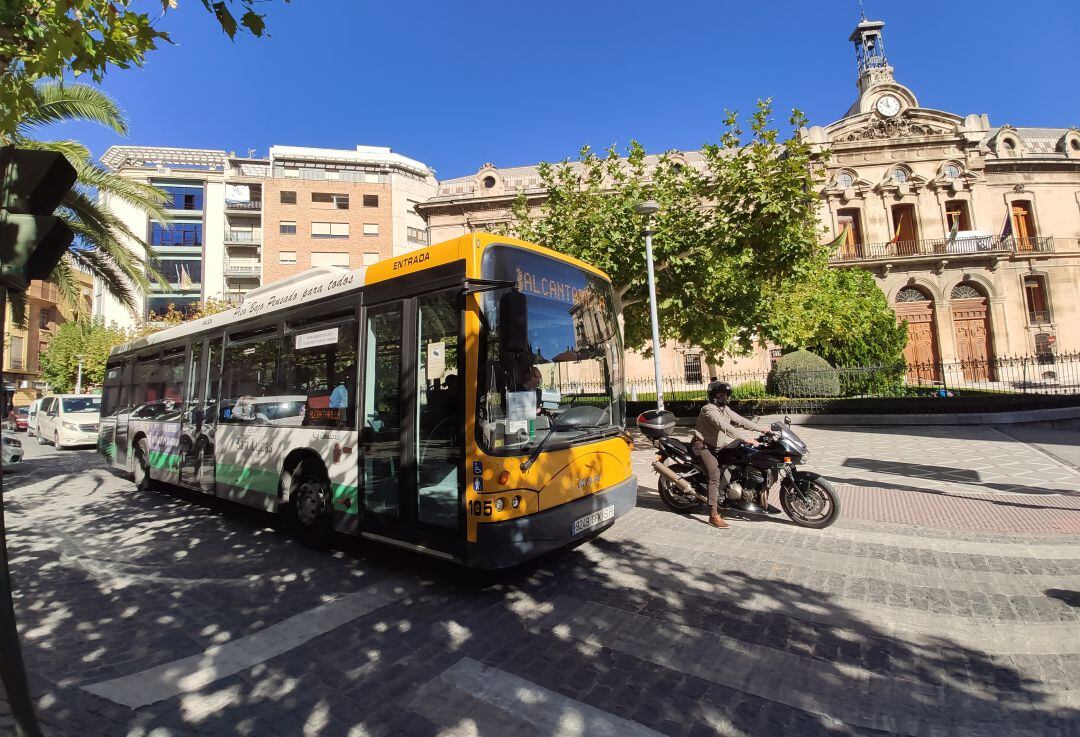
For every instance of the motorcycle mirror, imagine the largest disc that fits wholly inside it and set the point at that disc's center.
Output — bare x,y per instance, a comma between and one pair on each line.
787,420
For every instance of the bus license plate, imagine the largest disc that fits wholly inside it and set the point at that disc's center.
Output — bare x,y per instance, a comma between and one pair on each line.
598,517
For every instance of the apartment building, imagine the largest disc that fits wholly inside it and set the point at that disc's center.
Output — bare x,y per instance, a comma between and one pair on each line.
23,346
238,222
346,208
190,246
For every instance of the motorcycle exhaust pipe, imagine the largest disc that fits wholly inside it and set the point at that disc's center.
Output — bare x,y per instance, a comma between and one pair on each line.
685,486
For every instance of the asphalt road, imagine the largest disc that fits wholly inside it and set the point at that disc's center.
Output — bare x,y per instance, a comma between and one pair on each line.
162,613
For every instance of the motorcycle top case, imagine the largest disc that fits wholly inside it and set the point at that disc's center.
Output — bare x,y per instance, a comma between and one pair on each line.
656,423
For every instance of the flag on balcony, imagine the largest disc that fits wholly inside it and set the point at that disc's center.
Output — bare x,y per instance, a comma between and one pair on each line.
899,225
954,230
1007,229
237,193
185,278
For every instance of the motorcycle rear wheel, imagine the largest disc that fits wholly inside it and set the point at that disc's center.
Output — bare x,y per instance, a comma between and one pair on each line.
819,510
674,499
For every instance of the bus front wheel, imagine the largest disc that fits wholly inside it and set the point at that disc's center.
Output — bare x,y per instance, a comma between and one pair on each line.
309,497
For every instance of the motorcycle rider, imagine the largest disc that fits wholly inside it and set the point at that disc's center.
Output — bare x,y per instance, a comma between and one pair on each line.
716,428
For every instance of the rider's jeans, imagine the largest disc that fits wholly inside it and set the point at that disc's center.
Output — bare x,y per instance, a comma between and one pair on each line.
712,466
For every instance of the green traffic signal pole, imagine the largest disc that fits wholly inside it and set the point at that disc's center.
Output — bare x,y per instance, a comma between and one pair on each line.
12,668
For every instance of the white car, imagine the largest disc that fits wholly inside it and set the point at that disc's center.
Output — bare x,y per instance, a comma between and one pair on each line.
11,450
66,420
31,417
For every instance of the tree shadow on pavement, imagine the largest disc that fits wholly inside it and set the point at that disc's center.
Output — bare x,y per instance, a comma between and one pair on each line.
115,583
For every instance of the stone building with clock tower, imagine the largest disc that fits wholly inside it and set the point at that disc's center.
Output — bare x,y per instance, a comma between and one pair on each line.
971,230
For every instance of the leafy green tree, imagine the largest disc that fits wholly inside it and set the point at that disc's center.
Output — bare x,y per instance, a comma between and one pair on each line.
42,39
101,245
92,341
733,231
841,315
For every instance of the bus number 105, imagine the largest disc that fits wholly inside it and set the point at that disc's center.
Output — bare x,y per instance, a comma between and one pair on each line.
480,508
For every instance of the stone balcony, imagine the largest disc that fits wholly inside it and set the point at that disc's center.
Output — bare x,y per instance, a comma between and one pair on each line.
943,248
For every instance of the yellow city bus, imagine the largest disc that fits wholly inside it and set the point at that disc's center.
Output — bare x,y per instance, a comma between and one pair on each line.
464,401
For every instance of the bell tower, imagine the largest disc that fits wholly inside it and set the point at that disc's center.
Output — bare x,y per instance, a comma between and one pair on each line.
878,89
870,54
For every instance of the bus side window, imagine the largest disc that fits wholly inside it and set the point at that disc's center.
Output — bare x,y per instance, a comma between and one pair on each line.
320,372
250,391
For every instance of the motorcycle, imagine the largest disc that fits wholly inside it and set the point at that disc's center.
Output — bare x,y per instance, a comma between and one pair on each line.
757,474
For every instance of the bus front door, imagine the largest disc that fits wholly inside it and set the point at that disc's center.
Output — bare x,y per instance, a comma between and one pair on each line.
412,423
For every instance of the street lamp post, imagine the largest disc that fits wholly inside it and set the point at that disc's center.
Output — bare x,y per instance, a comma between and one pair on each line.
648,208
78,377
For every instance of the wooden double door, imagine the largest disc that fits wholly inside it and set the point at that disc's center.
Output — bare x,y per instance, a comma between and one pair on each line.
921,352
971,326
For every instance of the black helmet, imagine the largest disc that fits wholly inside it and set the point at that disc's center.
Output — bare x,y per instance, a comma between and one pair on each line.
717,388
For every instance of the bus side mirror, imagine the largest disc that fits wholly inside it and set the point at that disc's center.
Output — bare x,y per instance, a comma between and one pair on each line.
513,323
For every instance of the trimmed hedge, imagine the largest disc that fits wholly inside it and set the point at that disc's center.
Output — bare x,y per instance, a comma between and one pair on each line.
803,374
748,390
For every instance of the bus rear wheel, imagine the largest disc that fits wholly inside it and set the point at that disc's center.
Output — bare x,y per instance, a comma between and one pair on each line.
309,497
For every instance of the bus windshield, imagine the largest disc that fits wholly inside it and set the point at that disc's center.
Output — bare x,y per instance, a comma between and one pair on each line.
573,355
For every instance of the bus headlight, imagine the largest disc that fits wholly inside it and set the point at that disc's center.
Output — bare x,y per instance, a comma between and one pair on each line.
70,426
500,504
515,502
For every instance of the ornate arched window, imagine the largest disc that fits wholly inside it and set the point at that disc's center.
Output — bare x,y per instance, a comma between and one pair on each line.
966,291
899,175
845,179
911,294
951,171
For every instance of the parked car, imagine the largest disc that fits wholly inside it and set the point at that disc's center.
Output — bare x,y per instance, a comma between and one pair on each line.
17,418
11,450
68,420
31,417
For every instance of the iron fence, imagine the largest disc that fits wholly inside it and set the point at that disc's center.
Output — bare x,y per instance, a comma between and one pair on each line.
941,386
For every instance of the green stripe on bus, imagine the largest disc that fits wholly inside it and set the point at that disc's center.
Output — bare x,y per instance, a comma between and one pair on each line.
163,460
345,498
266,482
248,478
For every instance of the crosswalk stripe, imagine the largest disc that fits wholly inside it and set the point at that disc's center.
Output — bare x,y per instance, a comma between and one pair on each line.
198,671
523,707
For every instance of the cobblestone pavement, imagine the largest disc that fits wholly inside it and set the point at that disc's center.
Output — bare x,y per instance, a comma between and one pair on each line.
157,614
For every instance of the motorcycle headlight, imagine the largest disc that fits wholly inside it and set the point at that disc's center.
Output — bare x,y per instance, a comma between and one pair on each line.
70,426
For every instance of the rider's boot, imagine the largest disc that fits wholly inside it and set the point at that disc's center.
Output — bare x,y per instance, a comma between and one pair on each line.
715,519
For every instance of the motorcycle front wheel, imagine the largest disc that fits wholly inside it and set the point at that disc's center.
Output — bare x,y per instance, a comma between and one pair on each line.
816,505
670,495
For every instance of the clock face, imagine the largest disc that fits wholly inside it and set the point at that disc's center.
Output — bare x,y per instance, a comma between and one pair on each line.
888,105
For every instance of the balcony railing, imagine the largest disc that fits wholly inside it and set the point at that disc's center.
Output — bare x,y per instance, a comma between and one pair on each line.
944,247
243,237
253,205
1038,317
234,298
242,269
1039,244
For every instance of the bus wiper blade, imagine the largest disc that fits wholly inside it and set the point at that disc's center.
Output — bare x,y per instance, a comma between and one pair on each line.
577,432
528,463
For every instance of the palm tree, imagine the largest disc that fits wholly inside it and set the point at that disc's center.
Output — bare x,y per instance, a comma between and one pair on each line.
104,245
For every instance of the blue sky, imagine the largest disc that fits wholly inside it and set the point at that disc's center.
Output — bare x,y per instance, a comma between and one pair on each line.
456,84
